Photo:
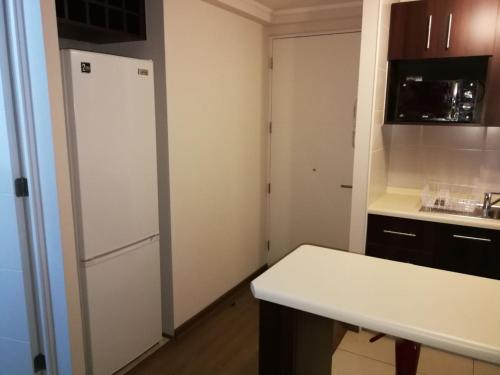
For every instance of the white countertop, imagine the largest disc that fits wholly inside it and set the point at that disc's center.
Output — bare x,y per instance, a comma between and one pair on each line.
445,310
406,203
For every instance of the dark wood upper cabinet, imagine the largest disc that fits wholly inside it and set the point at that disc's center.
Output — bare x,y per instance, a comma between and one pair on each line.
442,28
492,109
409,30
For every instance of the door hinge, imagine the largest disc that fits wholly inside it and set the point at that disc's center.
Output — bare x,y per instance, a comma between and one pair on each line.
268,188
271,63
270,127
39,363
268,245
21,187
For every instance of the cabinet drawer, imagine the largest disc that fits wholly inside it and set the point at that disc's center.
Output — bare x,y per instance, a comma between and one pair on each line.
418,256
473,251
395,232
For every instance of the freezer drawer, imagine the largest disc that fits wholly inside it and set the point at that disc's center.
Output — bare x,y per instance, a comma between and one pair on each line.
123,305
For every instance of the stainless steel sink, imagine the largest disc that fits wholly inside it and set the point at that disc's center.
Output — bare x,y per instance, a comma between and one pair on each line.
494,213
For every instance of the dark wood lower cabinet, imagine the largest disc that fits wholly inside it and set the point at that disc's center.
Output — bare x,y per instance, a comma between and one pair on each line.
468,250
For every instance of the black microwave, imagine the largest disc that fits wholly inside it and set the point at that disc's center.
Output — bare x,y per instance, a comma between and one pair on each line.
437,101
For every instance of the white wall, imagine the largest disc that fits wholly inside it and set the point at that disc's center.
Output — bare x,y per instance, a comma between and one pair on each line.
216,66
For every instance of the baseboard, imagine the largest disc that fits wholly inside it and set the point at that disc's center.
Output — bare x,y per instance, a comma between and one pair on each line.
192,321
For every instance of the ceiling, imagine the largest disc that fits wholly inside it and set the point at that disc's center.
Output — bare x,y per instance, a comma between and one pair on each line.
291,4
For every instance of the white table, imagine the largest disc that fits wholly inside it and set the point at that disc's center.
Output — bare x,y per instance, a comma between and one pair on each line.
445,310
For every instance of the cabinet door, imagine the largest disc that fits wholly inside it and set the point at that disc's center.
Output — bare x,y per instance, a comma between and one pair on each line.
409,37
398,239
468,250
465,27
396,232
442,28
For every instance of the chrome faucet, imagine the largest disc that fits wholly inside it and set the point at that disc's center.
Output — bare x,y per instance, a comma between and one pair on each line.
488,203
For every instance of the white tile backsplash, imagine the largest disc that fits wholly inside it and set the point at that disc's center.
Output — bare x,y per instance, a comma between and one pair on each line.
492,141
490,170
406,167
454,138
458,155
455,166
406,136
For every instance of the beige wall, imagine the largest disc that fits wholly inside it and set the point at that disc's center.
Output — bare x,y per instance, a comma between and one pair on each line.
216,66
381,135
317,26
64,189
372,146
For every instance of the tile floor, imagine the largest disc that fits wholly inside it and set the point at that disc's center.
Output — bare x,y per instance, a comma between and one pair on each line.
356,356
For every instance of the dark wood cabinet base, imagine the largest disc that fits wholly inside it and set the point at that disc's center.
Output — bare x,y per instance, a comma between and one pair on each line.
294,342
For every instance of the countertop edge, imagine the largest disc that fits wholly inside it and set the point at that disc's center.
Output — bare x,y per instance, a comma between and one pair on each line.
384,206
441,342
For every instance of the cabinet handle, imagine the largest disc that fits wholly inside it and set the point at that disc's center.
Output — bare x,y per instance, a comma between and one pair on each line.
346,186
448,37
400,233
471,238
429,30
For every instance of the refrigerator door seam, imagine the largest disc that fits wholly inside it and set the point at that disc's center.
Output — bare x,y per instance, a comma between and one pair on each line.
109,253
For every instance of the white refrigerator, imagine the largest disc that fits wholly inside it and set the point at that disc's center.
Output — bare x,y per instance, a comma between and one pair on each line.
110,119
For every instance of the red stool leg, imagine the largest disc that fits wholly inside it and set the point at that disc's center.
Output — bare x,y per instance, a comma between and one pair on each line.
407,355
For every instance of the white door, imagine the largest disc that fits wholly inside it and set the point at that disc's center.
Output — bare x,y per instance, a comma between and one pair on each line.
314,90
18,329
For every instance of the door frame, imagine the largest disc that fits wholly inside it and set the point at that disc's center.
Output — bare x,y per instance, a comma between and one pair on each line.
39,211
270,115
20,206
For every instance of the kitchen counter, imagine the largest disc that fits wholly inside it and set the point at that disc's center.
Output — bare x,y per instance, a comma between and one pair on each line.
445,310
405,203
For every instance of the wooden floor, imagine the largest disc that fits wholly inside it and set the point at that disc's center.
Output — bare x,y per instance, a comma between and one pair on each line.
224,342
